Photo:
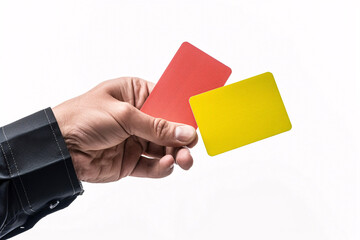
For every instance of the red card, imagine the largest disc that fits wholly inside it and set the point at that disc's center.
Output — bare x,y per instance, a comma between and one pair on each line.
189,73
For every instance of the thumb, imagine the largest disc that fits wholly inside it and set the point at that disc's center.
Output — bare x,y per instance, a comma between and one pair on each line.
156,130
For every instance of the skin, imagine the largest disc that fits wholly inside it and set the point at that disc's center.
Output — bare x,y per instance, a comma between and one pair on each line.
109,138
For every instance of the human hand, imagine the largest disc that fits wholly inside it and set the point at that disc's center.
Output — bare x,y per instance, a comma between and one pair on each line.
109,138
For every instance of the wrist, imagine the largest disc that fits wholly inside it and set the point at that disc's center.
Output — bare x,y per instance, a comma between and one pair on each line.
66,128
63,118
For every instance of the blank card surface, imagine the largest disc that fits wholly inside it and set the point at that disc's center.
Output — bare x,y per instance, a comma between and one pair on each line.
190,72
240,113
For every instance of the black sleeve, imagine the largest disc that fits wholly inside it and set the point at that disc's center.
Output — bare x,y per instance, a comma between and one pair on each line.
37,176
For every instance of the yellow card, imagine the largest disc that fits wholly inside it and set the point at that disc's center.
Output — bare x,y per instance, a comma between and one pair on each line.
240,113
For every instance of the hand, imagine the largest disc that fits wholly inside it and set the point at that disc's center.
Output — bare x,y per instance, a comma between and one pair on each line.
109,138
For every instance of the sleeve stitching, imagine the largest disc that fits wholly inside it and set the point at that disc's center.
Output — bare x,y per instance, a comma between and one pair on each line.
18,173
62,155
7,163
17,192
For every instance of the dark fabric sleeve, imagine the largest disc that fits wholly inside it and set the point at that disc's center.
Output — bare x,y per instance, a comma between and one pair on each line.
37,176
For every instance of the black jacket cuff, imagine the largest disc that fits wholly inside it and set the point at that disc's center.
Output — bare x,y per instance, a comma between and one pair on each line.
37,176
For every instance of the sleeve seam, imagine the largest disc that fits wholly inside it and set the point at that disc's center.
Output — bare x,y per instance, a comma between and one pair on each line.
18,173
10,174
61,152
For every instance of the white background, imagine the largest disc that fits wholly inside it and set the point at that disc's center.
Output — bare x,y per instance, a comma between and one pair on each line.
303,184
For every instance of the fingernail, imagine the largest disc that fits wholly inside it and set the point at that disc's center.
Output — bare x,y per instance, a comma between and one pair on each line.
184,133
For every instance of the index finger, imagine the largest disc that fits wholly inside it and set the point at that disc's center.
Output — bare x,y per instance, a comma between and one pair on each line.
132,90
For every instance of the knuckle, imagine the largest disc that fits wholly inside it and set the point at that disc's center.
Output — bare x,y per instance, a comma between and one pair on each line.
125,112
160,125
123,116
105,85
137,82
136,86
125,109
